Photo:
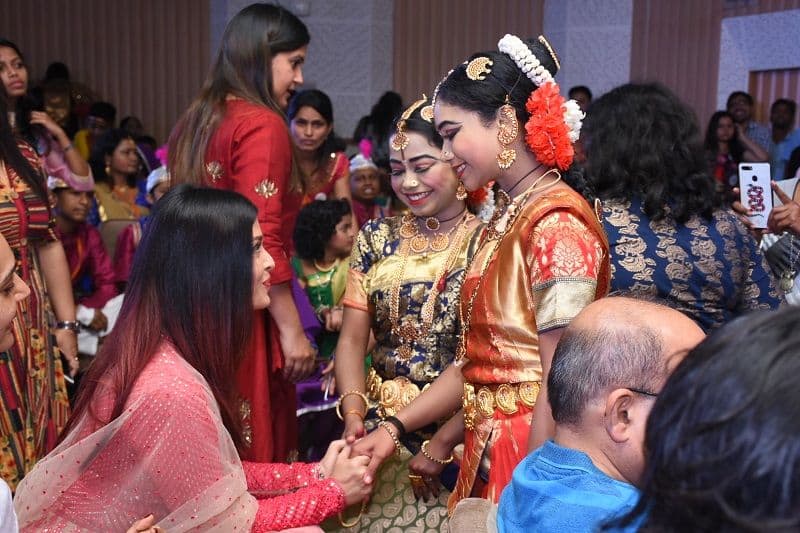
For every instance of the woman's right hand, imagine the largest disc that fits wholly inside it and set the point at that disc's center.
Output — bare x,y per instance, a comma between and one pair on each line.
353,428
351,474
378,446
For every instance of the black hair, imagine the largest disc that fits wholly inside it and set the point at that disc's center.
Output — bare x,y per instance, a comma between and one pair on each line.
580,89
381,118
316,224
11,155
105,146
506,79
56,71
103,110
793,164
642,142
205,236
321,103
735,94
711,143
791,104
722,452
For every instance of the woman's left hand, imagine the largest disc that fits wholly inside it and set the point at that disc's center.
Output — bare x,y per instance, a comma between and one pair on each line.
333,318
424,473
67,342
145,525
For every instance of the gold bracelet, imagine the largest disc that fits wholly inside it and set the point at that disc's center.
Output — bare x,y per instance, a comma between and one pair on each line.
345,395
387,427
356,520
355,412
427,454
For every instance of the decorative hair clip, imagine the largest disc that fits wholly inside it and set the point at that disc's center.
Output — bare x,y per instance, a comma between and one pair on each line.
400,140
427,113
543,40
478,68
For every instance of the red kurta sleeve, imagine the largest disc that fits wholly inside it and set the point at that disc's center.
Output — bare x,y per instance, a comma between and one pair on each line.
306,507
279,476
103,278
260,168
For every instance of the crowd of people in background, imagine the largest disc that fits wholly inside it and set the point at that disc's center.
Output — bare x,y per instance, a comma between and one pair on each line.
491,309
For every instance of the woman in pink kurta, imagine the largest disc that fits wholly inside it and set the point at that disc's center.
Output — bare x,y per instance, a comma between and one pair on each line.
155,429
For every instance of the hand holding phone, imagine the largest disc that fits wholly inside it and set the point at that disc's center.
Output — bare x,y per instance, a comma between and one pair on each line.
755,192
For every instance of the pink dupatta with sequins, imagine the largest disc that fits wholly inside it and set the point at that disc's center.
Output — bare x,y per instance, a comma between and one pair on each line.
168,454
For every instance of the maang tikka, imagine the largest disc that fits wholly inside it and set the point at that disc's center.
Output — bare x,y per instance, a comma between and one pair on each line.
507,135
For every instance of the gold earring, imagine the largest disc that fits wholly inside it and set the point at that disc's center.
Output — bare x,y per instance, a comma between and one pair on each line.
108,169
461,191
507,134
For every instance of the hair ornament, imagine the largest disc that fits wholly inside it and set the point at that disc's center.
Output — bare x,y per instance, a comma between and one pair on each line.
546,43
518,51
479,68
400,140
438,85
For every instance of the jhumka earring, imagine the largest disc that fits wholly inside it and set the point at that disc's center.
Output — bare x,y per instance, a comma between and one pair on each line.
461,191
108,169
507,135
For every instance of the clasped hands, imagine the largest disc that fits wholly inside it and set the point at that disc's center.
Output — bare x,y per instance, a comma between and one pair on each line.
379,445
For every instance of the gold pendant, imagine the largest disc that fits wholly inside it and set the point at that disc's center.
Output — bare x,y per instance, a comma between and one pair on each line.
440,242
419,243
404,352
408,229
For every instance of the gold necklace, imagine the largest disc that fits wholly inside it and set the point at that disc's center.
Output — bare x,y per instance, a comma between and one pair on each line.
316,265
461,350
409,230
408,330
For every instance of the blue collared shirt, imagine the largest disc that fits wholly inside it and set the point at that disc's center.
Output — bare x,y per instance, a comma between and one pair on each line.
559,489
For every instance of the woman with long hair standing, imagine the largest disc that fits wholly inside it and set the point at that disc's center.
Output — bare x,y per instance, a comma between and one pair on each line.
234,137
543,258
116,167
33,394
32,123
726,146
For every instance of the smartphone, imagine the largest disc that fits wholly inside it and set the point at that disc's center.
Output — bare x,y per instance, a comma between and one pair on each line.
755,192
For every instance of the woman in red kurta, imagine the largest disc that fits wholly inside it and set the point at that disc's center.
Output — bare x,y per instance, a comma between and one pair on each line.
234,137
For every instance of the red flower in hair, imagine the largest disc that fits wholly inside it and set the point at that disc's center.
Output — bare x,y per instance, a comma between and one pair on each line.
547,135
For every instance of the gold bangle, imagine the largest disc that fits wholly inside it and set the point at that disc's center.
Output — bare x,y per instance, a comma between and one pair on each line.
387,427
345,395
426,453
355,412
356,520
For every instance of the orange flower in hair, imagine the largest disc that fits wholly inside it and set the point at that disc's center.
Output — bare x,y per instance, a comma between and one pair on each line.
547,135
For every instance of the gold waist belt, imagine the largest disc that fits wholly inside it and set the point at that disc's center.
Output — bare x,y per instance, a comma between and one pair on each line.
392,394
482,400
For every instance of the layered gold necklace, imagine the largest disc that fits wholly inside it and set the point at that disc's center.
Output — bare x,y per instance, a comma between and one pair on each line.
503,218
411,329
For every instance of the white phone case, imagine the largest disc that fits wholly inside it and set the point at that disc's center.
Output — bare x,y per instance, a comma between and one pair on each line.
755,191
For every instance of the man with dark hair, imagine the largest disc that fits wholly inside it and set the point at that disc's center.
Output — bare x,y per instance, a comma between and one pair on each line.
740,105
102,116
781,116
582,95
609,366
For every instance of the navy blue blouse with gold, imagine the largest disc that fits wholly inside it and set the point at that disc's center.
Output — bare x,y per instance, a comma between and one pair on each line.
374,266
711,270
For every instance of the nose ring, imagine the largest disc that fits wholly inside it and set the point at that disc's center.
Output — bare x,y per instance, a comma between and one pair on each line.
412,183
446,154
